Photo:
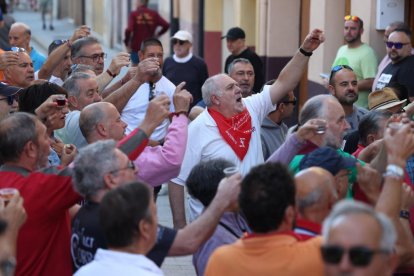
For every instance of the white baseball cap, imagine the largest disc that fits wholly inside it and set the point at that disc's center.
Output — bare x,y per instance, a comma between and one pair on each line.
183,36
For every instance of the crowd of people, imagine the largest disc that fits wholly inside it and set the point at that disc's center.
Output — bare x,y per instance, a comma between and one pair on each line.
83,157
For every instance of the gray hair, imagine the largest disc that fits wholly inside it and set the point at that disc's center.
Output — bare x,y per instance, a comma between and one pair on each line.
21,24
348,207
313,108
230,67
90,116
71,83
15,131
77,46
91,165
210,88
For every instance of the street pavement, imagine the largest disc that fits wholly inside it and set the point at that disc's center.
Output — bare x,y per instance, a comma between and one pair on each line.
63,30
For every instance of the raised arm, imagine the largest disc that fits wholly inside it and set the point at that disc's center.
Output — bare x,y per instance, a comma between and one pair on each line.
119,61
120,97
59,53
133,144
290,76
399,147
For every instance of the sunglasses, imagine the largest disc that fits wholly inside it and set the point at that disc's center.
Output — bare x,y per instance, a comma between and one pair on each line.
359,255
338,68
352,18
181,42
396,45
59,41
10,99
294,101
18,49
151,91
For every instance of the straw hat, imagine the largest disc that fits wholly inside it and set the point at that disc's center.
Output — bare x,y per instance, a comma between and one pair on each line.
383,99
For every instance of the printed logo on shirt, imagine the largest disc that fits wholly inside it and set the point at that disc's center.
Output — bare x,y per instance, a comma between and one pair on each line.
383,81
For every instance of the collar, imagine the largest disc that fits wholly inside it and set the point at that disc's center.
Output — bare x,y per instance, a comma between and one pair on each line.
276,233
16,169
308,226
183,59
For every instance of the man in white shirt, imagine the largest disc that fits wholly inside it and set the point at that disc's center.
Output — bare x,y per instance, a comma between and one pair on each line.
229,128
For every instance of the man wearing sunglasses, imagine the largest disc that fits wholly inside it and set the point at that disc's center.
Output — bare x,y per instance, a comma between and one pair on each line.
185,66
343,85
8,100
359,56
401,68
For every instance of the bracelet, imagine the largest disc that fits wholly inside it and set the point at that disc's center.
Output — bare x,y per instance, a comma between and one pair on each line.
394,170
405,214
172,114
110,73
306,54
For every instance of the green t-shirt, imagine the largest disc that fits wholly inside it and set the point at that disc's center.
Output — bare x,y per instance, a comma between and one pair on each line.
294,167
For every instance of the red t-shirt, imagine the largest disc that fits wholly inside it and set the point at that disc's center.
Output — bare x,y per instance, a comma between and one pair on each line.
43,243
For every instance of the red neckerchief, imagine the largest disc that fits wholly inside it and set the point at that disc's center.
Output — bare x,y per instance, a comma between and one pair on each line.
236,131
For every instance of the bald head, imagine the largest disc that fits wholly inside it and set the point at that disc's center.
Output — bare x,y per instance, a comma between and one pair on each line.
315,193
101,121
20,35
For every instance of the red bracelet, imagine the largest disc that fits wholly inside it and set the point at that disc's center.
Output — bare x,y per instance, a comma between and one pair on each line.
110,73
172,114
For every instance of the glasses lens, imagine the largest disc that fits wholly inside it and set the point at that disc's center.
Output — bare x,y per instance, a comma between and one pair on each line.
332,254
360,256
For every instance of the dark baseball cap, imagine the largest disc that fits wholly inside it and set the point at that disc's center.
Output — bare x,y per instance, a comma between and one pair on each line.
8,90
235,33
327,158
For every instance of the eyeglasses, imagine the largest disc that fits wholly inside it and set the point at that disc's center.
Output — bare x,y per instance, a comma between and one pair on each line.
96,57
18,49
338,68
10,99
130,165
58,42
359,255
181,42
294,101
151,94
352,18
396,45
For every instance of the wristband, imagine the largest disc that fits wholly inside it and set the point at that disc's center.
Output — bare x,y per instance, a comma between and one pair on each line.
172,114
394,170
405,214
110,73
306,54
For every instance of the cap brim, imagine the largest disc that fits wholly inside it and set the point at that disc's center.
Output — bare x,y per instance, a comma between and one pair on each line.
7,90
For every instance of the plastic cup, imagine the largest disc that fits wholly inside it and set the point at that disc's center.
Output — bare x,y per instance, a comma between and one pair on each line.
7,193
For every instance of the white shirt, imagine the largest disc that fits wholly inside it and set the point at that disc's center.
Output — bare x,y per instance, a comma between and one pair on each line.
205,142
109,263
134,112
